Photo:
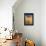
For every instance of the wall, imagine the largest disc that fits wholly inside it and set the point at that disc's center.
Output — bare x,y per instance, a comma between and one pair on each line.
6,13
43,22
29,32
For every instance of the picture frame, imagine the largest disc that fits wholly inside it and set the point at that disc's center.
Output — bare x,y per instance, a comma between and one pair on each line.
28,19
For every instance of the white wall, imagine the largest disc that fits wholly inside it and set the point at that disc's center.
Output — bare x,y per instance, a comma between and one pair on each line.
30,32
6,13
43,22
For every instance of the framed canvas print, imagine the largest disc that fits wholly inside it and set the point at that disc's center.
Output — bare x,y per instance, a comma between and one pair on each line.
28,18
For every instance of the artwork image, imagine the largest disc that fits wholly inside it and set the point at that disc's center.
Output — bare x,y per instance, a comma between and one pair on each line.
28,19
